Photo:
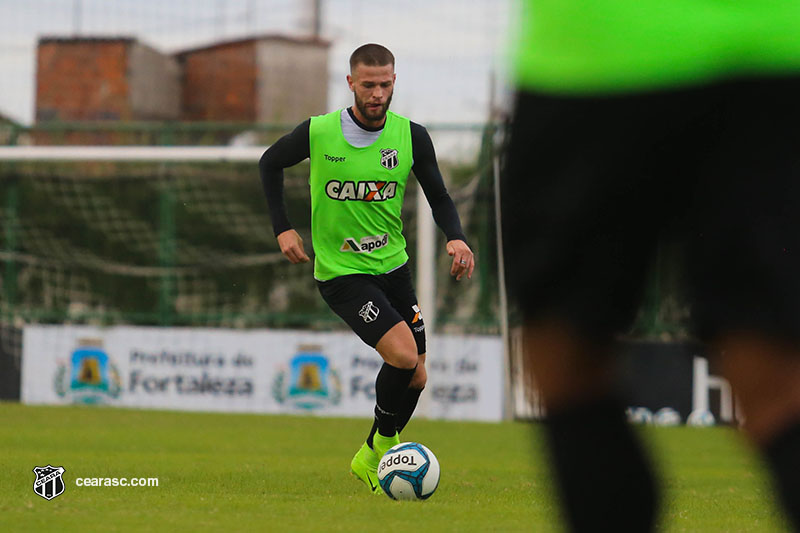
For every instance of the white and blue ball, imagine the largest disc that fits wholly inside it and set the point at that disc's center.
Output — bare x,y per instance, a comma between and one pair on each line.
667,416
408,471
639,415
700,418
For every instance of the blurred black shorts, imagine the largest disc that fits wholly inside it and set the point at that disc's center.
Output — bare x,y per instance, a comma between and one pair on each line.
591,184
372,305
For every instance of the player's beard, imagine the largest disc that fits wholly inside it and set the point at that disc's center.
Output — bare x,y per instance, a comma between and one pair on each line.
375,116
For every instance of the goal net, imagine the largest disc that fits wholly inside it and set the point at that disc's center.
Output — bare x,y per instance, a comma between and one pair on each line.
182,236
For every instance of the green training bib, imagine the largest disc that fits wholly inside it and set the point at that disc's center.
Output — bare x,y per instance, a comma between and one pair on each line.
594,46
357,196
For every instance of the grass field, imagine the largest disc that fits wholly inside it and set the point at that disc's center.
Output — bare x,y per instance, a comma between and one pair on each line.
221,472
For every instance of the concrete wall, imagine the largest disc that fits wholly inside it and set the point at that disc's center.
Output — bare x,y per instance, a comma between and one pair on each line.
292,81
155,92
84,79
219,82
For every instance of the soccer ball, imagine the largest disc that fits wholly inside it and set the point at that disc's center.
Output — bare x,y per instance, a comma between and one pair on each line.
667,416
639,415
408,471
700,417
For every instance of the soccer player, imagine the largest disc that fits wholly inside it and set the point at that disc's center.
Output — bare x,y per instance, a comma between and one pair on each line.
360,162
637,120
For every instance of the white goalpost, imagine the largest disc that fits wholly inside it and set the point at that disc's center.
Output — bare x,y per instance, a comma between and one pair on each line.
132,153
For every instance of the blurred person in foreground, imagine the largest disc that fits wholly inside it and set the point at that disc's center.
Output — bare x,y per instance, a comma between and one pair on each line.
361,157
637,120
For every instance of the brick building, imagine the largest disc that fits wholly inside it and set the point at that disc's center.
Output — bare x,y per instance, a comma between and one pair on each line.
271,79
105,79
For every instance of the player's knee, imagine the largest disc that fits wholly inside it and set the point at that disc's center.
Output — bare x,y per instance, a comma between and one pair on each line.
405,358
399,354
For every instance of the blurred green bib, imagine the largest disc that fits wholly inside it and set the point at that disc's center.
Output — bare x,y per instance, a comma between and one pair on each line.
356,198
595,46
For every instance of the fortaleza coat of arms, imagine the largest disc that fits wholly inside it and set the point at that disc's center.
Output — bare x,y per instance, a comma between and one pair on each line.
89,376
48,483
309,383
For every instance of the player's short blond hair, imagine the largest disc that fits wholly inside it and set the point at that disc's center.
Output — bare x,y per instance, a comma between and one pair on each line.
371,55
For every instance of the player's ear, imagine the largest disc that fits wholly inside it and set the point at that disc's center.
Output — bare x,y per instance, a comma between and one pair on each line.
350,82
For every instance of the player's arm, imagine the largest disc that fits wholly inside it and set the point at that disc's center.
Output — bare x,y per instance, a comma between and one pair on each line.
426,170
286,152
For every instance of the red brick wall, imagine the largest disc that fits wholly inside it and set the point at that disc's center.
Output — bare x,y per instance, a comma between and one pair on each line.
82,80
219,83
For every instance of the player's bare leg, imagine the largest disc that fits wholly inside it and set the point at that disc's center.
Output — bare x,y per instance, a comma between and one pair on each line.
765,374
397,347
567,370
590,441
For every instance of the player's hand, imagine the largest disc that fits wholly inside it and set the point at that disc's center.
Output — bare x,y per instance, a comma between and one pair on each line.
291,244
463,259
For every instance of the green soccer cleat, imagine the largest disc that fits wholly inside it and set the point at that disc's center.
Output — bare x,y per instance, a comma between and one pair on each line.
365,467
382,444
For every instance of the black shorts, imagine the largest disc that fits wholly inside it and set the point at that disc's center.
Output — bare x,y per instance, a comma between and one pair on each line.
592,183
372,305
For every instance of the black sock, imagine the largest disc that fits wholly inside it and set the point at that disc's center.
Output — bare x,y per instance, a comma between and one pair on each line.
604,478
390,386
783,458
410,399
